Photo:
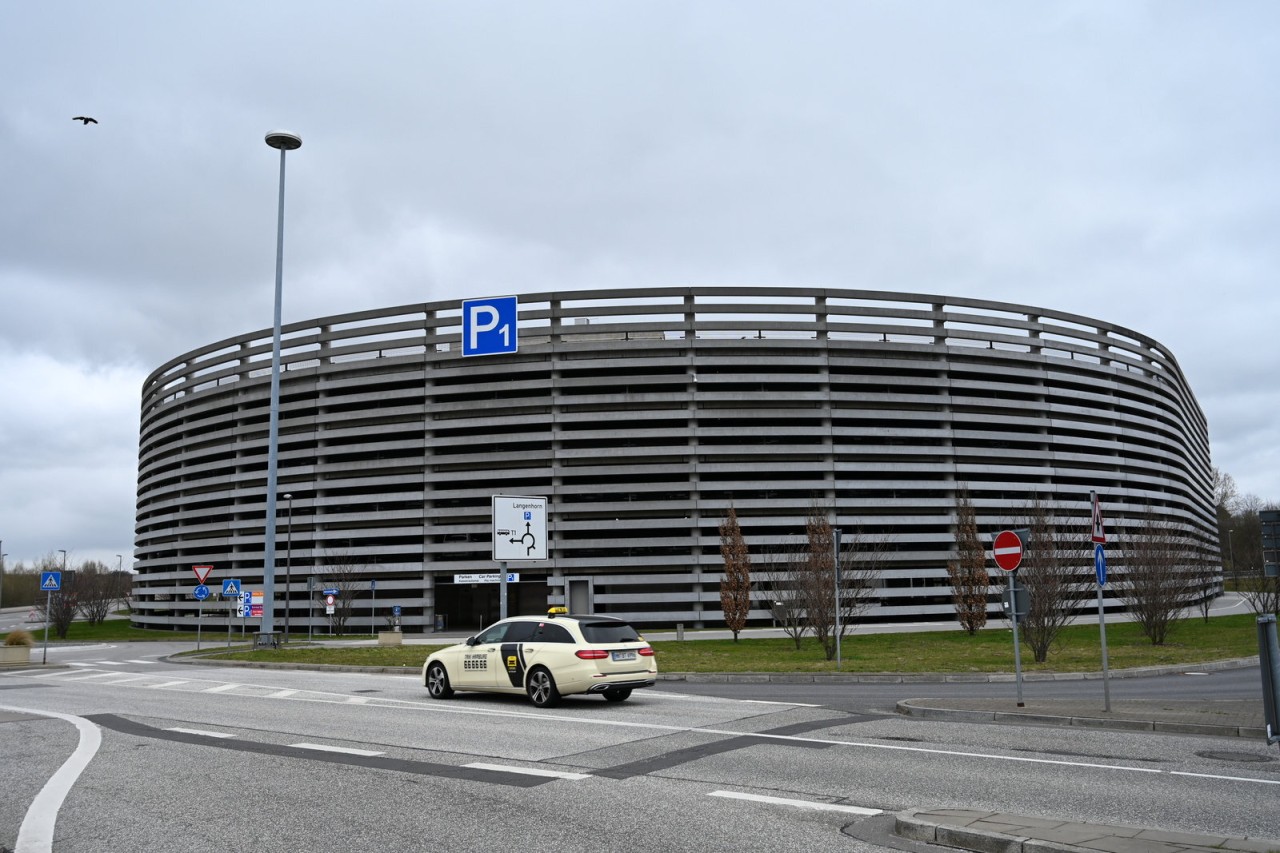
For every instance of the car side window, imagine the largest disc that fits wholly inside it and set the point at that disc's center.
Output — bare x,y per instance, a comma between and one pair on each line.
520,632
493,634
551,633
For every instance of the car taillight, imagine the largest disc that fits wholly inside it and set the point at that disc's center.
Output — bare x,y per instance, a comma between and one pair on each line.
591,654
647,651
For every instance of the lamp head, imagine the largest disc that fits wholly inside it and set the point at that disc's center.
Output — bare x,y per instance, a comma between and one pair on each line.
284,140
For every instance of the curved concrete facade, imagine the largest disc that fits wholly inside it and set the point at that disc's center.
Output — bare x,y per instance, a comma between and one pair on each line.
642,415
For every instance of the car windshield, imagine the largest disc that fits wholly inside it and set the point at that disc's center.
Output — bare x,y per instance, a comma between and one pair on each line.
609,632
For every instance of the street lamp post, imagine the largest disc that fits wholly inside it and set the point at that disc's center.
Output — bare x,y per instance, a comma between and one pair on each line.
288,560
282,141
2,556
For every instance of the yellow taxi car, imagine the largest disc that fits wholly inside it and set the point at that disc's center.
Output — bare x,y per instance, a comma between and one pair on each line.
546,657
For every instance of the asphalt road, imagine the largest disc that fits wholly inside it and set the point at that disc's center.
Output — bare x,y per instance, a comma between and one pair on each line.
219,758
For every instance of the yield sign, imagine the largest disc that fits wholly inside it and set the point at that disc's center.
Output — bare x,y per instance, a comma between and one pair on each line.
1007,550
202,573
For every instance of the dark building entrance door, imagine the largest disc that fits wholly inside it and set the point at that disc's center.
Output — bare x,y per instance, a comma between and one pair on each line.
471,606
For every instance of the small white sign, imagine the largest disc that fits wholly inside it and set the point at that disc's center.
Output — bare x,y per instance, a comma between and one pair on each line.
490,577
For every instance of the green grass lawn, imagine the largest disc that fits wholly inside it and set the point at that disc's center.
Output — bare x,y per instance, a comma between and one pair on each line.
1079,650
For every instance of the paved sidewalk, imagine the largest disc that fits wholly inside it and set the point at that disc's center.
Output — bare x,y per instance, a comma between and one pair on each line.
994,832
1220,717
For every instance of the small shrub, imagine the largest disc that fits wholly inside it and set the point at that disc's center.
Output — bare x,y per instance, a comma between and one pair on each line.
19,638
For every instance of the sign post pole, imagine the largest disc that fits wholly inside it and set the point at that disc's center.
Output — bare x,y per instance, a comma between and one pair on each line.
835,541
1099,537
48,614
502,590
49,582
1007,549
1017,648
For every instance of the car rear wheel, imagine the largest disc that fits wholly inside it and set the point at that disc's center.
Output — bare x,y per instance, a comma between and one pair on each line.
618,694
438,682
542,688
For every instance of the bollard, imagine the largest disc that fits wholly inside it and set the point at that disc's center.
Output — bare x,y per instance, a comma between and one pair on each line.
680,631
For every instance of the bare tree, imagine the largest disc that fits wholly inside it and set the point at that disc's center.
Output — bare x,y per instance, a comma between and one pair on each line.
1158,583
1225,495
1051,573
861,559
735,589
815,576
96,591
784,564
970,583
1261,592
344,573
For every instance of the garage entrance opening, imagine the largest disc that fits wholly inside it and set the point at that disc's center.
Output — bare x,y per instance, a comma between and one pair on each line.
472,606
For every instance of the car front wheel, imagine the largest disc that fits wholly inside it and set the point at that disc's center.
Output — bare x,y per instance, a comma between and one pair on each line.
438,682
542,688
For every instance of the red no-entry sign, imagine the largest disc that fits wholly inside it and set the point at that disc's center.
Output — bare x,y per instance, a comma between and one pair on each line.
1007,550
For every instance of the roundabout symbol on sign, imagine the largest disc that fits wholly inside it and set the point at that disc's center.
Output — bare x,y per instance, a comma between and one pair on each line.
1007,550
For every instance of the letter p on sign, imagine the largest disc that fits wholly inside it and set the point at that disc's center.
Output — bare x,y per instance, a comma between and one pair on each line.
489,325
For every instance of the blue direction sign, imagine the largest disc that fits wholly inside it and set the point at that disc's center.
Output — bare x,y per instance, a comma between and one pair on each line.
489,325
1100,564
330,591
395,611
201,592
50,581
231,588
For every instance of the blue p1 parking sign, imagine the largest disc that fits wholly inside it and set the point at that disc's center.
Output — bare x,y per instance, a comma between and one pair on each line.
489,325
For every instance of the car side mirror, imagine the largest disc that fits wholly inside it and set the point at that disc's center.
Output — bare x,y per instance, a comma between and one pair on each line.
471,641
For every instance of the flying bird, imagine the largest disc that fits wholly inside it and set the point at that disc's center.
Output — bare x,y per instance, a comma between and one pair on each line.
84,119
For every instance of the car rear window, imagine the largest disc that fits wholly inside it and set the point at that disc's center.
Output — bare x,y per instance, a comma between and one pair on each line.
608,632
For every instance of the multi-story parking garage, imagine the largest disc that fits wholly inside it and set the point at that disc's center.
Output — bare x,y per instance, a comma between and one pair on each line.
642,416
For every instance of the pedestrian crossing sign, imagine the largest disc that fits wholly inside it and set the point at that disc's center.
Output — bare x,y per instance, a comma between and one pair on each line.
50,581
231,588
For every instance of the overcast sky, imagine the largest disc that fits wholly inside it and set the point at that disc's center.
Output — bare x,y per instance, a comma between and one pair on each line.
1115,159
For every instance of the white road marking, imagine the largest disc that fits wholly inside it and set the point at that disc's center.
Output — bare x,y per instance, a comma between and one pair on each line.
434,707
694,697
222,688
148,662
528,771
36,833
799,804
281,694
128,679
368,753
199,732
90,676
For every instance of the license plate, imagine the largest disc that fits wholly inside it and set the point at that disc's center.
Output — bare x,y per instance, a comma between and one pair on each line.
629,654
